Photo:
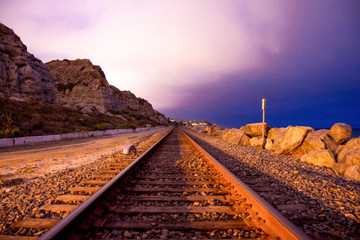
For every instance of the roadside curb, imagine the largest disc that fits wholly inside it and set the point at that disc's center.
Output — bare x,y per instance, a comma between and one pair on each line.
12,142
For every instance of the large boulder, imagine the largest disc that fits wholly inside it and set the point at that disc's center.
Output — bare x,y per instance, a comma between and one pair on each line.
255,129
318,140
353,172
211,129
258,142
289,141
229,134
351,157
237,137
274,133
346,147
320,158
22,75
220,132
339,132
348,155
339,168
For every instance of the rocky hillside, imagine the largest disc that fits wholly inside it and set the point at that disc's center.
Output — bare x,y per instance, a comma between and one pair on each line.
83,86
22,76
30,95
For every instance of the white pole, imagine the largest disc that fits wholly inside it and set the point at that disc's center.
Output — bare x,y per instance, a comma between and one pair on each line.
263,119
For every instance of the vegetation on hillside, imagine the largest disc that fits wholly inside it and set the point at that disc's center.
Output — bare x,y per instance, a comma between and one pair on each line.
34,118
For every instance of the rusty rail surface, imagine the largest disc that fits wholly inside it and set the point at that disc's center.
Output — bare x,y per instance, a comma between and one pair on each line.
262,214
267,217
60,230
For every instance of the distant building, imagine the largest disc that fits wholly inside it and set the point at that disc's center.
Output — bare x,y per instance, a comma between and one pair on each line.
189,122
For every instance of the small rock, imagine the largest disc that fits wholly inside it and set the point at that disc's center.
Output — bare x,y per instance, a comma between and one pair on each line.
127,234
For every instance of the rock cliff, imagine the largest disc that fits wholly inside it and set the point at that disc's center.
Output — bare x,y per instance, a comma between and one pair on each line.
83,86
22,76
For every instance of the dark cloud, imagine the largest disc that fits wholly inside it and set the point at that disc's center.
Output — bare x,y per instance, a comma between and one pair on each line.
316,82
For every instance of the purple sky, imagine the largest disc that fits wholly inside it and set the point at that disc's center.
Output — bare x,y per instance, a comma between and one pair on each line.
212,60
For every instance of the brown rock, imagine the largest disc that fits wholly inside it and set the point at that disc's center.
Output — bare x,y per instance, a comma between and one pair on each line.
339,168
206,129
275,132
255,129
351,157
348,146
269,143
339,132
257,142
213,128
82,86
353,172
22,76
319,157
237,137
220,132
318,140
229,134
289,140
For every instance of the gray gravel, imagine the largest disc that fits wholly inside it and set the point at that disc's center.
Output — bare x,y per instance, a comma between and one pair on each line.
331,203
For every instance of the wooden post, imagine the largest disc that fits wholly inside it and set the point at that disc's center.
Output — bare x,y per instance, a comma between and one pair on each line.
263,119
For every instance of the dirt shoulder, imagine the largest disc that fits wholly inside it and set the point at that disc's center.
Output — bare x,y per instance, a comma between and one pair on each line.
26,162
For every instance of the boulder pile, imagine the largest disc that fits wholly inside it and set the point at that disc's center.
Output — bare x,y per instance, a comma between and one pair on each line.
327,148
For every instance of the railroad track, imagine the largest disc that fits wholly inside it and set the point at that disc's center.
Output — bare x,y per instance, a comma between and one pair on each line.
81,188
175,190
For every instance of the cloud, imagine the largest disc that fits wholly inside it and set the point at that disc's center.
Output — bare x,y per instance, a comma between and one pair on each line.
203,57
142,44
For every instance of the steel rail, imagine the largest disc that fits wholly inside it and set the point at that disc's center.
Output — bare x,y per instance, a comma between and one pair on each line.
266,216
66,225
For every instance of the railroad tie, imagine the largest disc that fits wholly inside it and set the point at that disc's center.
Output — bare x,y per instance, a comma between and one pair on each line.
94,182
176,190
58,208
89,190
188,209
103,176
35,223
72,198
118,166
178,183
181,198
176,226
9,237
109,172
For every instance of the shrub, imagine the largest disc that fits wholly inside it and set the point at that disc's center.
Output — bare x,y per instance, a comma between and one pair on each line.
101,126
7,130
10,133
130,126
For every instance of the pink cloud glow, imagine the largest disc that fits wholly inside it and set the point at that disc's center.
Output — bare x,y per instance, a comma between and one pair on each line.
154,47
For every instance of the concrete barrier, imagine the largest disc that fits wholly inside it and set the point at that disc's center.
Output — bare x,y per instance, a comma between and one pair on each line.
35,139
10,142
7,142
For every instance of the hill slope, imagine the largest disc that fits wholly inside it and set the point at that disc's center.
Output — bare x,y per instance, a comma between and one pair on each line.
29,100
83,86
